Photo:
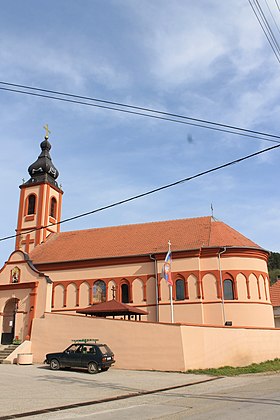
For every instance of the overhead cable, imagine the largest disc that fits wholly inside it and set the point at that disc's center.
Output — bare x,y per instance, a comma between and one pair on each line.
265,27
135,197
271,14
151,113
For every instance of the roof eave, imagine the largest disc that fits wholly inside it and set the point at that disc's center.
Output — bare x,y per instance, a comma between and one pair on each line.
160,254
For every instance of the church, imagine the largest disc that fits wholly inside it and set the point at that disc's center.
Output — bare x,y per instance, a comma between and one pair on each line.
219,277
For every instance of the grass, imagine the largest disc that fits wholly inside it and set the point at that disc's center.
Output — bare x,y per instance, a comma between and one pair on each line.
268,366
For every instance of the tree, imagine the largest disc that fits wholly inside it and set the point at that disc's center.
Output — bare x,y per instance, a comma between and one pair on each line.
274,267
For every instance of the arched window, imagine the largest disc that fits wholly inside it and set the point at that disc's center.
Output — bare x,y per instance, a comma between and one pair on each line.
99,291
180,289
228,289
53,208
125,293
31,204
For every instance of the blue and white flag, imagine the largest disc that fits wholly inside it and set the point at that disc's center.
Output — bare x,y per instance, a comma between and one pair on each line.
166,269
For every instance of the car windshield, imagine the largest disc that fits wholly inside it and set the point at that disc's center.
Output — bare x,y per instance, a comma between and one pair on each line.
73,349
104,349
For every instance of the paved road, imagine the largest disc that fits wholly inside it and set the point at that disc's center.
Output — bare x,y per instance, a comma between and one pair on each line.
134,395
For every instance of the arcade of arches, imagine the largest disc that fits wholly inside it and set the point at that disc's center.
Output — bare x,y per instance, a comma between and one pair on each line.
245,286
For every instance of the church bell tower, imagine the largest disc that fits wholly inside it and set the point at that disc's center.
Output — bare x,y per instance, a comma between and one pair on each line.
40,201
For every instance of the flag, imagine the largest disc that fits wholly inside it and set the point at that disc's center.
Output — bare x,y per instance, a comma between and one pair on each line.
166,269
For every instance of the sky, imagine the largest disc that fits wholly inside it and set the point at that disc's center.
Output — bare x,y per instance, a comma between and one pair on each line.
207,59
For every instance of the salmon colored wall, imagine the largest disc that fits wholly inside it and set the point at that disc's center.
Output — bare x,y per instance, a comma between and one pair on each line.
213,314
84,295
210,287
253,287
121,270
242,289
44,291
251,315
209,264
182,313
138,292
71,295
59,292
192,284
230,263
223,346
183,264
262,288
154,346
151,291
137,345
48,297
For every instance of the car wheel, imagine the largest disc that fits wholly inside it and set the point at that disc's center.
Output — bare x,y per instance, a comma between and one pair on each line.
92,367
54,364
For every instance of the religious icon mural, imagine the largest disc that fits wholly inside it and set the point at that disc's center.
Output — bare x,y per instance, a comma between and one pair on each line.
99,292
15,273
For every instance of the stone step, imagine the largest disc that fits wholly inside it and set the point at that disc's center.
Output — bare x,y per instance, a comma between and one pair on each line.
10,348
6,351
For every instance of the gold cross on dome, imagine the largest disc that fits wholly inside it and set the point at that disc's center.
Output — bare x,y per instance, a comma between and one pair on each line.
46,127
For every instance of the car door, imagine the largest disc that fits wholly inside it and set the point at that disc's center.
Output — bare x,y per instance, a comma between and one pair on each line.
88,355
72,356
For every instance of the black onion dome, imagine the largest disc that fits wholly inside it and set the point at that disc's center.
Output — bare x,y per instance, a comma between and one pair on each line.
43,170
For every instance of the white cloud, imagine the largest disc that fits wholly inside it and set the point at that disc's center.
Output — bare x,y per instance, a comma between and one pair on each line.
37,59
185,43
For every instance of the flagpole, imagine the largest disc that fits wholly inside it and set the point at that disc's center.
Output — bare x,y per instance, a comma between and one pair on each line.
171,305
170,291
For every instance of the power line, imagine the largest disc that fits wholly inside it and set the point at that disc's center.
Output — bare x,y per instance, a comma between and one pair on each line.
184,119
271,14
267,24
265,27
135,197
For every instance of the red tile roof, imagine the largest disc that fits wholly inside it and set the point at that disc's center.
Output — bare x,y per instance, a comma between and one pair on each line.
110,308
275,293
138,239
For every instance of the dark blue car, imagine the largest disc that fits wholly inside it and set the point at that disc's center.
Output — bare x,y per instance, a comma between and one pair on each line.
91,356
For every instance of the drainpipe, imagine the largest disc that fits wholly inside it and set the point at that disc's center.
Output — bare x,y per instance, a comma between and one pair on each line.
200,287
152,257
221,285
